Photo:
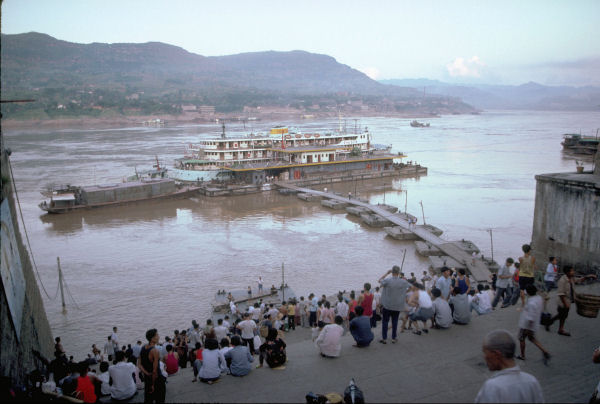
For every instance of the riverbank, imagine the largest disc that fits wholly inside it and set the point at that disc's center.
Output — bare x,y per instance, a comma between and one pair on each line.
121,121
441,366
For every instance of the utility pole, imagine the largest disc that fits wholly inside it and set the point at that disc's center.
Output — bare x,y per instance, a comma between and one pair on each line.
423,212
384,193
405,200
60,282
491,242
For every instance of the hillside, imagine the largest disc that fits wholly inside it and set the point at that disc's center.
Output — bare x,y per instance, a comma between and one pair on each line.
97,79
531,95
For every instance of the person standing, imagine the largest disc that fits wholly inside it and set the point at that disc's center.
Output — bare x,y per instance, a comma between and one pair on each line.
393,299
551,272
526,271
247,327
148,363
366,301
566,296
109,349
115,340
342,310
504,277
529,322
303,312
314,304
509,384
260,285
444,283
291,313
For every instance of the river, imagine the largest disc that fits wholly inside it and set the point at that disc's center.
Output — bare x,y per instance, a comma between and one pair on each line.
158,264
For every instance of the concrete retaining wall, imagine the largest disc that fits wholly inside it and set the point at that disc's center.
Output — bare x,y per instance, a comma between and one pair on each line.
16,351
567,219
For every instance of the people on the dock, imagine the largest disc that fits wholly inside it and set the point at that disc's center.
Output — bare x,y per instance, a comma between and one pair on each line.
247,327
86,391
239,358
526,271
529,321
566,296
123,385
481,302
509,384
423,305
444,283
109,349
171,361
272,350
442,314
303,310
213,362
393,299
329,339
313,305
462,308
360,329
504,276
551,272
291,313
342,309
260,285
148,363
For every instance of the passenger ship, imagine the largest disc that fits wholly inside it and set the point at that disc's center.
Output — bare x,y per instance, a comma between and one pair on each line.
220,157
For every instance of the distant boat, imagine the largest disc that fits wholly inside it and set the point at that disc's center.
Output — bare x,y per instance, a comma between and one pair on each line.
575,143
417,124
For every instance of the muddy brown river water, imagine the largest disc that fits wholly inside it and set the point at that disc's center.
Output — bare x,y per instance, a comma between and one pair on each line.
158,264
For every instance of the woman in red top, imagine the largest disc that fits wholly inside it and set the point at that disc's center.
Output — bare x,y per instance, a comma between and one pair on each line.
366,300
171,361
85,390
352,305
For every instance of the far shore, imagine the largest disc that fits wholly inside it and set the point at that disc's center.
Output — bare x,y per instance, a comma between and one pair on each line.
178,120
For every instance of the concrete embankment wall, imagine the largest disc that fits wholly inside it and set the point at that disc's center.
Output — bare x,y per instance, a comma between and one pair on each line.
23,323
567,219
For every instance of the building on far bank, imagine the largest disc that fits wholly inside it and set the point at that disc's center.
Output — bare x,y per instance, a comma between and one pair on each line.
566,221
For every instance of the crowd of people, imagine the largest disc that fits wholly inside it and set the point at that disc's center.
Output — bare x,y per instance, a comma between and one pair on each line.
435,301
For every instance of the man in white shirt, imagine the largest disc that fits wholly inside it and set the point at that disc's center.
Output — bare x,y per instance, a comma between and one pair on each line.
509,384
342,310
123,385
220,330
115,339
195,334
504,278
481,302
109,349
247,326
444,283
329,339
529,322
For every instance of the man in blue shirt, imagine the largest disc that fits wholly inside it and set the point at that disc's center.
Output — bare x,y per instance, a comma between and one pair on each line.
444,283
360,328
312,319
240,358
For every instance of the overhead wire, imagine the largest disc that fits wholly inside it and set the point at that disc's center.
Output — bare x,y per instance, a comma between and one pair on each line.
12,179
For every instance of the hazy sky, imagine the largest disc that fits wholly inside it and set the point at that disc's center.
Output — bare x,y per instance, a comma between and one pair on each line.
503,42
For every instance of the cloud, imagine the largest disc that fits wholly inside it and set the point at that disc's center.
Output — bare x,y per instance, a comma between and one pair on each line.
461,67
371,71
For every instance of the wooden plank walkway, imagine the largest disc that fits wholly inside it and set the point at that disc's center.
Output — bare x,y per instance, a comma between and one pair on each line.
478,269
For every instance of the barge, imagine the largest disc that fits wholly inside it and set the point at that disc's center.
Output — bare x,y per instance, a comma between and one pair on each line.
85,197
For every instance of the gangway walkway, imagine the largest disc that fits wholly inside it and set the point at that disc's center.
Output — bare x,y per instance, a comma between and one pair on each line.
477,268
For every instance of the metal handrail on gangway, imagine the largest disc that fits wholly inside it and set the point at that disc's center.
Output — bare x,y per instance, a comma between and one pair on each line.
476,268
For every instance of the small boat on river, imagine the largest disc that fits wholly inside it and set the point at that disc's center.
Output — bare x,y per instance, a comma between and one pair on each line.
417,124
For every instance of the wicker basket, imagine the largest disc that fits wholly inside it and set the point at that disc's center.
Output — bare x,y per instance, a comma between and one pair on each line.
587,305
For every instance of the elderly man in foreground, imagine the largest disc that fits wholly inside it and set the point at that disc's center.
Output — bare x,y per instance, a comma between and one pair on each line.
509,384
